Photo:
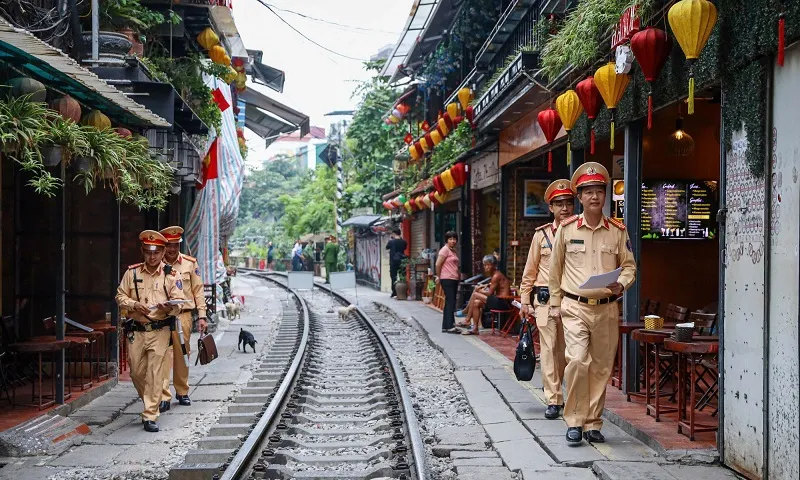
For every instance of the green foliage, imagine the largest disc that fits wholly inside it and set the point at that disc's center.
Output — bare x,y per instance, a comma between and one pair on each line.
456,144
132,14
581,40
260,198
371,145
311,210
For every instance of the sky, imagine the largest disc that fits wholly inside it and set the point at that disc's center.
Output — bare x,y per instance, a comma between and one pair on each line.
317,81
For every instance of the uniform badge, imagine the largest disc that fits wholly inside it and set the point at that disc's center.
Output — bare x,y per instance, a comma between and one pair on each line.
561,186
179,284
591,171
197,271
628,245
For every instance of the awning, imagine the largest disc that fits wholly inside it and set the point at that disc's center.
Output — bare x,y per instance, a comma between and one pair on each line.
426,22
269,118
225,27
55,69
362,221
265,74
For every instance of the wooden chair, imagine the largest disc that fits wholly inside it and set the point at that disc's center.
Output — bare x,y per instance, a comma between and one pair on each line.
707,375
704,323
675,314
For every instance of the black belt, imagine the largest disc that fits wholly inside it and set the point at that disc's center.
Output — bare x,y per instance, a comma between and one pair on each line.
151,326
591,301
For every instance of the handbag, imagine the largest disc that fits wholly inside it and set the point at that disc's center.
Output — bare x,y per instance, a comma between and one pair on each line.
524,359
206,349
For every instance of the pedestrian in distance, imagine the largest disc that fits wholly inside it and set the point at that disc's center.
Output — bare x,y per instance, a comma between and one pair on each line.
270,257
297,256
188,271
152,295
331,257
586,245
397,253
535,295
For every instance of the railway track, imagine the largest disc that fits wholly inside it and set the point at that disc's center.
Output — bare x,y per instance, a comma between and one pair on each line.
336,404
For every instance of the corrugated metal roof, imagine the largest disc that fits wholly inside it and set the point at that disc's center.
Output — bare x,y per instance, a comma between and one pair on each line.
54,68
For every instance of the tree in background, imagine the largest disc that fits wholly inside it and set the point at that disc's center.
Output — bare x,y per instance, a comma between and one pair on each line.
310,210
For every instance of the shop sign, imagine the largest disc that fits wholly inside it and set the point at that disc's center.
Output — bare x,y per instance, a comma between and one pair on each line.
485,171
629,24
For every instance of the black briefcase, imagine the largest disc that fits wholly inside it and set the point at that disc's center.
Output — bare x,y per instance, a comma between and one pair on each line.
525,359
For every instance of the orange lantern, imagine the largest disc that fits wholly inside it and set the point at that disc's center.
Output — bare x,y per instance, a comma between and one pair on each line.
412,151
452,110
420,202
611,86
569,110
443,127
217,54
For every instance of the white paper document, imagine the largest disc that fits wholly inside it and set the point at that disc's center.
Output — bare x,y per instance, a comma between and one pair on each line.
602,280
169,302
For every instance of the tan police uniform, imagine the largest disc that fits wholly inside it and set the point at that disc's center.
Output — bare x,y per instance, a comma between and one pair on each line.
151,340
189,273
535,278
590,316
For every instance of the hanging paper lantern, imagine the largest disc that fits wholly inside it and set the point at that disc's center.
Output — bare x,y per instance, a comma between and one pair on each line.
408,207
458,120
464,96
651,48
452,110
22,86
692,22
67,107
420,202
426,201
433,198
448,181
448,121
569,110
781,37
590,100
217,54
401,199
418,147
96,119
440,197
470,114
429,141
408,138
436,137
413,153
611,86
207,38
439,130
238,62
438,184
231,75
442,125
459,173
425,126
550,123
123,132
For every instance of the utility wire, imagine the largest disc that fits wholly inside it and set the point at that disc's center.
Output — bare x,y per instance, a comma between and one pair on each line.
269,7
352,27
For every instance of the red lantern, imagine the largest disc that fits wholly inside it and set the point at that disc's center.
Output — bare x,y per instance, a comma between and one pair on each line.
458,119
651,48
433,198
418,148
459,173
67,107
408,138
429,141
589,96
448,121
550,123
425,126
123,132
438,185
470,114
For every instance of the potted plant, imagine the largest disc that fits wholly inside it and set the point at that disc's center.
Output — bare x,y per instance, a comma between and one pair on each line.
64,140
430,287
123,24
401,287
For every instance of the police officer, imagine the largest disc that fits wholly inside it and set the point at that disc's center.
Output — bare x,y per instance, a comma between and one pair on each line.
535,295
144,292
586,245
188,271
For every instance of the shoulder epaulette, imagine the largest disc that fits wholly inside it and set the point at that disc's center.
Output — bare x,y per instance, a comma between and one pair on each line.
131,267
569,220
543,226
191,259
616,223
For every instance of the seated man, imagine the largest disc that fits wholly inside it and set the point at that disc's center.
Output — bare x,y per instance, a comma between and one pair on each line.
487,296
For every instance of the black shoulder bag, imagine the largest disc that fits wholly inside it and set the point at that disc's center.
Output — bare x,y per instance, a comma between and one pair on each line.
525,360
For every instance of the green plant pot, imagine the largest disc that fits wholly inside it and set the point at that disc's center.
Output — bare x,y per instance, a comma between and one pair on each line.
51,155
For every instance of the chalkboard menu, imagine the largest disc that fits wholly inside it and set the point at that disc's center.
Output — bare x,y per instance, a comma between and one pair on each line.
679,210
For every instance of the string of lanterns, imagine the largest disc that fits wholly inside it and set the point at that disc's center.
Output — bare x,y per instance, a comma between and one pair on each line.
454,114
691,21
452,178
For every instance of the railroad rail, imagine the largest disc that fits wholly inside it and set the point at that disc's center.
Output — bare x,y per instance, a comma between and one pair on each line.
339,407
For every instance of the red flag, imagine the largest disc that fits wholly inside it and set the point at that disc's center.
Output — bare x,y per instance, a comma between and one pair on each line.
219,99
210,169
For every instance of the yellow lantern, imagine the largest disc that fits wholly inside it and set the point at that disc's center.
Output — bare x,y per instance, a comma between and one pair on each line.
424,144
692,22
611,86
408,206
452,110
413,152
569,110
231,76
217,54
447,179
420,202
435,137
443,127
207,38
96,119
464,96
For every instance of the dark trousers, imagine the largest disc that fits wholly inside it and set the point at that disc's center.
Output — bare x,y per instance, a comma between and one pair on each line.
393,268
450,288
297,264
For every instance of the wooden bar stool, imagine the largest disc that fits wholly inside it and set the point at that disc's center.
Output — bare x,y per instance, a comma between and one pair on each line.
652,340
39,348
108,331
689,355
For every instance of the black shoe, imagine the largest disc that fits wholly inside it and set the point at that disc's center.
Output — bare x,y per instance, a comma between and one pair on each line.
150,426
552,412
163,407
594,436
184,400
574,435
